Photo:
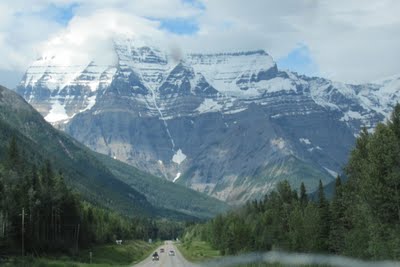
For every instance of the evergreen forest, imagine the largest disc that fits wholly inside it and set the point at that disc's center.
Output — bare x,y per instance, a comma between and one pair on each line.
361,220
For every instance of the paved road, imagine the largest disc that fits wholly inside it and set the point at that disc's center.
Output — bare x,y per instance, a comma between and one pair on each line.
165,260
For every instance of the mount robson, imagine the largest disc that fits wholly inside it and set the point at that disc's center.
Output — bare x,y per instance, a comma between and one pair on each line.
231,125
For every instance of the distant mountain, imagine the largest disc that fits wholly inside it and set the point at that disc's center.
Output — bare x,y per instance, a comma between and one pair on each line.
228,124
86,171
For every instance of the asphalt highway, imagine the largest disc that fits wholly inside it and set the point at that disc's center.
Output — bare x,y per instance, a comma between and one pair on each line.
166,260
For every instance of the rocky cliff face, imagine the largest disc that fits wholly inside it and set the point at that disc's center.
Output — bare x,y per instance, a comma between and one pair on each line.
228,124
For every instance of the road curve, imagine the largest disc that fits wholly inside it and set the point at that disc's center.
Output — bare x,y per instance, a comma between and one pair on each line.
165,260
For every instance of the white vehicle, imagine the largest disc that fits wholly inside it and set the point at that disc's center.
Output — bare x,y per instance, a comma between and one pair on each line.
171,253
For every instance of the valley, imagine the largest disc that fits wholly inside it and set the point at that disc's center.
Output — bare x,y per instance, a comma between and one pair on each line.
198,133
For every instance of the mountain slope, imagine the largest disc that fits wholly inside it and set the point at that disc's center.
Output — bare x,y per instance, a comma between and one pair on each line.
81,168
228,124
162,193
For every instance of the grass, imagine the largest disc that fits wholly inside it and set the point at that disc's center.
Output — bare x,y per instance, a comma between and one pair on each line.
276,265
125,254
110,255
197,251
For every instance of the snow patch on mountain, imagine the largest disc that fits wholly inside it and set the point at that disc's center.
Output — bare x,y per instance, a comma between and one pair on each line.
178,157
224,71
305,141
314,148
209,105
176,177
276,85
278,143
234,111
56,113
91,102
333,173
351,115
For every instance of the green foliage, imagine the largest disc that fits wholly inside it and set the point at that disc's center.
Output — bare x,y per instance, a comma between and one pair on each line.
102,256
55,218
162,193
372,194
280,221
87,172
362,220
196,251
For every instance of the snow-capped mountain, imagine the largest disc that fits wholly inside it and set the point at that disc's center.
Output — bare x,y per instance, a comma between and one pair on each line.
228,124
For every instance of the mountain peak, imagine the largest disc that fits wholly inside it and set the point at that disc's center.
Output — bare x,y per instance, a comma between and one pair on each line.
147,105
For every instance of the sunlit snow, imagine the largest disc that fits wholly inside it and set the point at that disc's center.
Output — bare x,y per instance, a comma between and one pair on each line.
278,143
179,157
56,113
333,173
91,102
305,141
349,115
176,177
209,105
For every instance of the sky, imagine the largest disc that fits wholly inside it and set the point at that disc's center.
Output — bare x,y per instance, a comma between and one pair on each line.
353,41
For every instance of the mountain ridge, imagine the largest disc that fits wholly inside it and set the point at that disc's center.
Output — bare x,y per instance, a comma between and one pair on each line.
215,120
87,173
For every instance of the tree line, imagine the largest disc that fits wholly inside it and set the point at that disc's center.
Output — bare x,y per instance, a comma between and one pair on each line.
40,214
361,220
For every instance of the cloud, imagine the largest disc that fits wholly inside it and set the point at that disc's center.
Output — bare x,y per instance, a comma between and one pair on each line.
353,41
91,37
145,8
79,29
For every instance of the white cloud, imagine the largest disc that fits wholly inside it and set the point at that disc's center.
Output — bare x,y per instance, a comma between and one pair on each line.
144,8
91,37
352,41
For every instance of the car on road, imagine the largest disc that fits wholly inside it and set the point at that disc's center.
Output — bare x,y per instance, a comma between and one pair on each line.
162,250
171,253
155,256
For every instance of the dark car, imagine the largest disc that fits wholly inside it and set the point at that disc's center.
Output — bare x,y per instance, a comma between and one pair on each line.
162,250
155,256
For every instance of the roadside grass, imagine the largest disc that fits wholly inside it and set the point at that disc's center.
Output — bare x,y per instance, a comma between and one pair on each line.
277,265
110,255
200,251
127,253
197,251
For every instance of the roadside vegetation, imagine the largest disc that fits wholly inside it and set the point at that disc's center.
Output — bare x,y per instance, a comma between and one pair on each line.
197,250
362,219
126,254
40,216
277,265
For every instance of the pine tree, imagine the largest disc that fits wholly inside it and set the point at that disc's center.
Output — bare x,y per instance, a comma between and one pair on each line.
394,123
324,218
337,229
13,156
303,195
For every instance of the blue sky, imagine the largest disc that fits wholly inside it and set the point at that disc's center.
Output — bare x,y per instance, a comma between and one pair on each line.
299,60
62,14
180,26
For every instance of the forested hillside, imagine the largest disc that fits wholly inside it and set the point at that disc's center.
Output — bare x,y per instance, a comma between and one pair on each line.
98,180
39,213
361,220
